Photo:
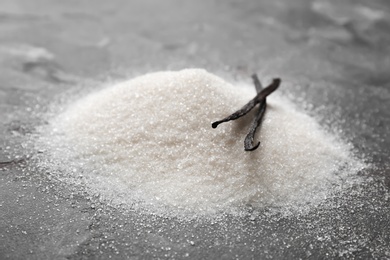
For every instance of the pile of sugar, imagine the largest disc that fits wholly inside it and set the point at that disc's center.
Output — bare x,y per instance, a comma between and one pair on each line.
149,141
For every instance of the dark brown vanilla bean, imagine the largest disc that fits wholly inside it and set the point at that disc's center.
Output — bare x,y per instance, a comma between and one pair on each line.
251,104
248,142
242,112
268,90
259,99
256,81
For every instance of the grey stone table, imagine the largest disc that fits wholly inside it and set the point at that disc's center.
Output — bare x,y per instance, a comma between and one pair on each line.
336,54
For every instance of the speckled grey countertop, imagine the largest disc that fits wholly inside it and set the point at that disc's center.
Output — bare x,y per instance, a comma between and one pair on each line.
337,54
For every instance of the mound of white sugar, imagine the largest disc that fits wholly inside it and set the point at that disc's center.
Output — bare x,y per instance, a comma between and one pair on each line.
149,140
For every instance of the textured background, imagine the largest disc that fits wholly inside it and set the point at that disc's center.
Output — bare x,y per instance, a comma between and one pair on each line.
335,54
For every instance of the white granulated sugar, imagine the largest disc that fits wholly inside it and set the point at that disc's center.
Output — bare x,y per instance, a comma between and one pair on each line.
149,140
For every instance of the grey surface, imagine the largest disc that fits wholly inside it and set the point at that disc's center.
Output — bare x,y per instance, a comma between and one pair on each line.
335,56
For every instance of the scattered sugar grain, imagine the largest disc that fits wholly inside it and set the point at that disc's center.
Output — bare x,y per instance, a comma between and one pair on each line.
149,141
